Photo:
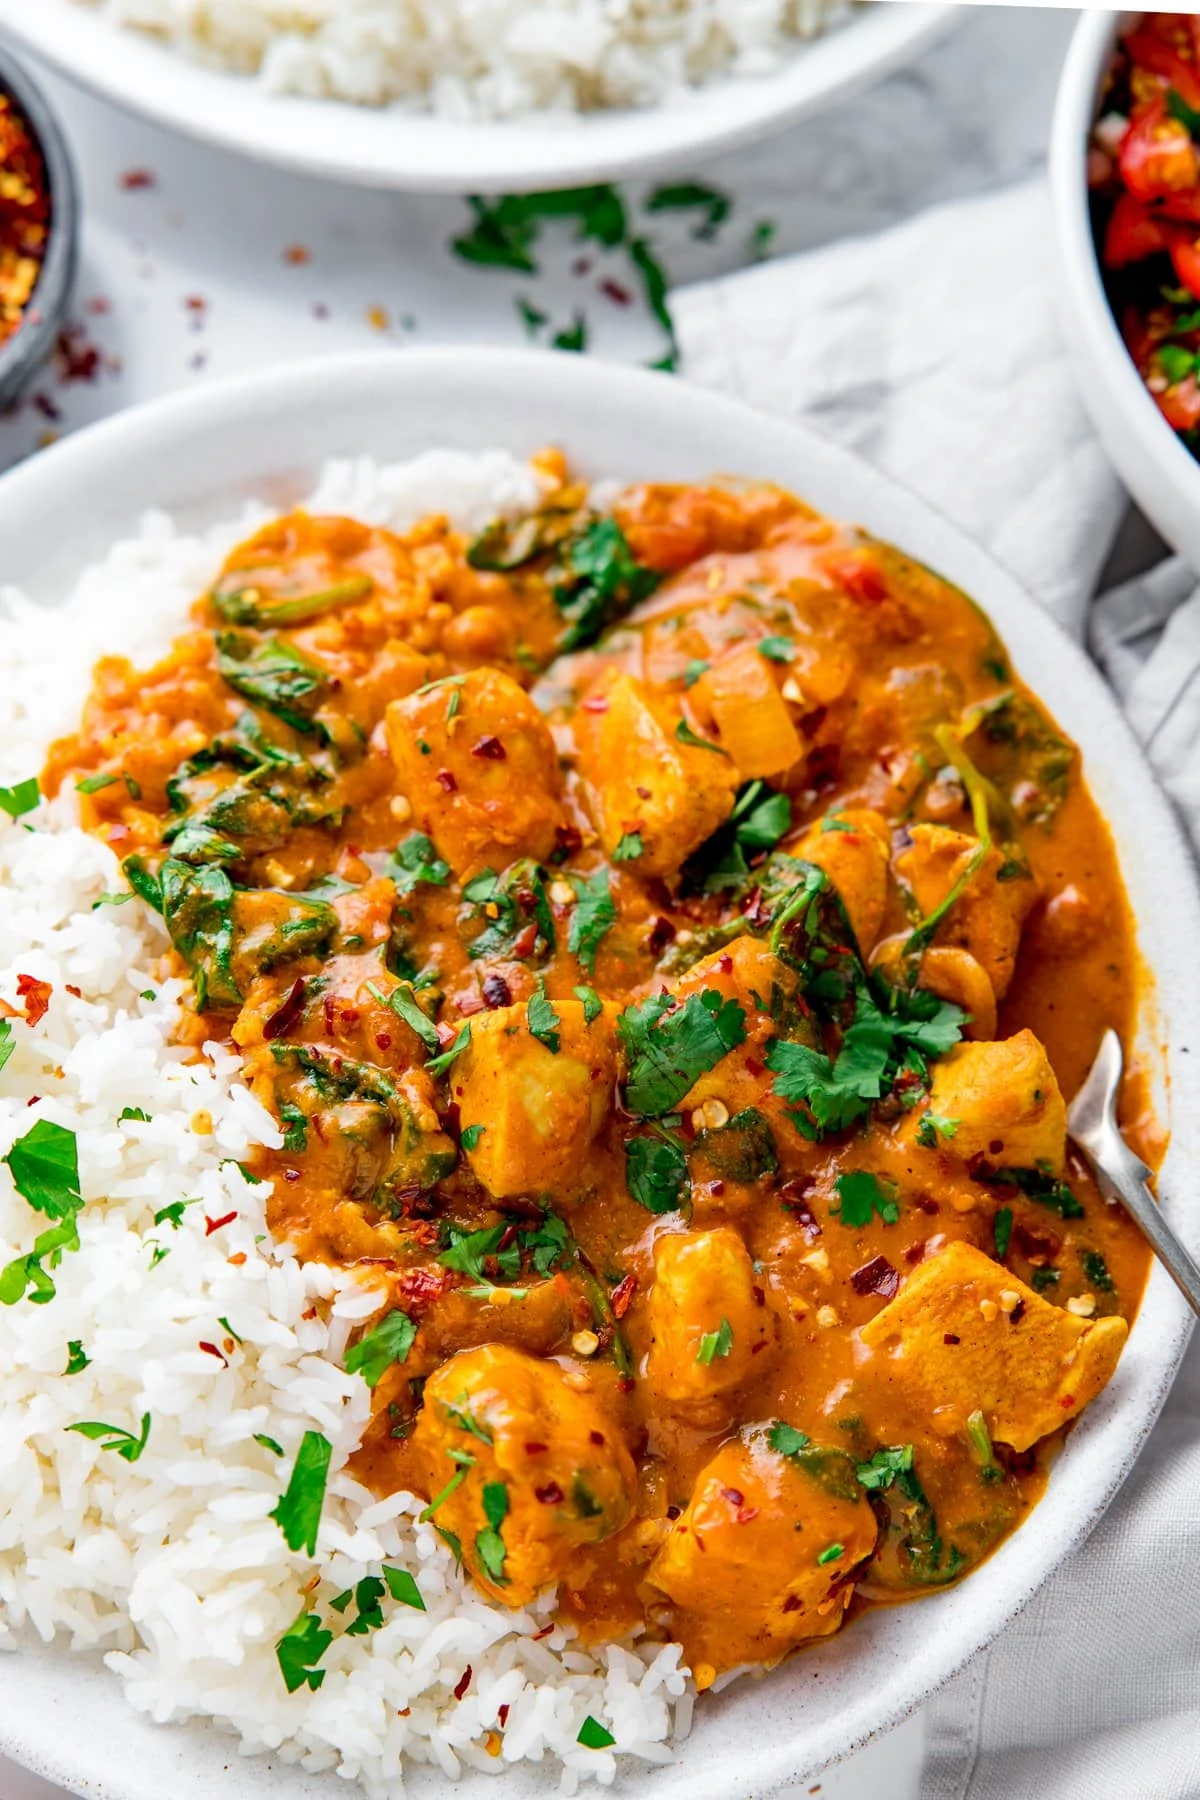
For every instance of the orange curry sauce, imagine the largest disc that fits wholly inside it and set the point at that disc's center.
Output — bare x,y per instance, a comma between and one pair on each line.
744,1273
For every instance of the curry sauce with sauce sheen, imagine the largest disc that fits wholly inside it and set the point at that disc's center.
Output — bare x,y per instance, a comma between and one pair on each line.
665,939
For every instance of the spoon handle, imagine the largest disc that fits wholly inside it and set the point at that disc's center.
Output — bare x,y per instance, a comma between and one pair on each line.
1122,1176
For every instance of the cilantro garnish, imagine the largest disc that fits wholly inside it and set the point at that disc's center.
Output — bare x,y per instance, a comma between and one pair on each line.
596,580
172,1215
8,1042
861,1195
134,1115
777,649
415,861
402,1587
544,1022
77,1359
715,1344
384,1344
830,1554
403,1002
883,1468
592,916
299,1651
629,847
469,1250
1043,1278
1040,1184
686,735
786,1439
931,1129
471,1135
464,1462
115,1437
44,1164
298,1513
368,1612
758,820
268,1443
694,670
531,316
593,1736
591,1002
762,238
94,784
1002,1226
693,196
1096,1270
20,799
489,1544
295,1124
669,1046
656,1173
437,1065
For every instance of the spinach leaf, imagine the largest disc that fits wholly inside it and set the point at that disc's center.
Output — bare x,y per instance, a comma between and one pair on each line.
274,675
597,580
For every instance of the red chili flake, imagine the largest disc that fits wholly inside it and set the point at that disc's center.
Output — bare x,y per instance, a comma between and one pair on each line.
291,1174
491,748
596,1437
534,1449
642,793
446,782
876,1277
288,1012
857,574
1037,1245
329,1008
595,703
33,1099
924,1204
211,1225
420,1287
36,995
793,1603
78,992
793,1196
716,1187
464,1682
98,305
1067,1401
46,406
544,1632
76,358
133,179
620,296
811,722
622,1295
525,941
581,266
383,1040
502,1715
754,1067
496,992
755,1348
951,1337
1017,1313
237,1259
212,1350
914,1253
759,1296
996,1147
296,254
550,1495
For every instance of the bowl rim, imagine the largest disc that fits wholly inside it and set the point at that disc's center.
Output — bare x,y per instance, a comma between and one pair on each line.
277,424
393,148
1146,451
34,337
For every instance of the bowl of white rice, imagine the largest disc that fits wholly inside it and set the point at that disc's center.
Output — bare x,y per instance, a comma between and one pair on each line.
142,1597
479,96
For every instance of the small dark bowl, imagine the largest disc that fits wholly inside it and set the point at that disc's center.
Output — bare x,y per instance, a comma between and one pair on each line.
23,354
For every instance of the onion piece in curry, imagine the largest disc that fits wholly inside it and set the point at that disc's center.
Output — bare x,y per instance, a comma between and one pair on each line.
664,938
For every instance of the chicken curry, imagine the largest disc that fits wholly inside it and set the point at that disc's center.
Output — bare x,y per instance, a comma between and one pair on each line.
664,937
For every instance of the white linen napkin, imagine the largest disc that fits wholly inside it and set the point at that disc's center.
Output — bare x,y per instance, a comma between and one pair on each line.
933,351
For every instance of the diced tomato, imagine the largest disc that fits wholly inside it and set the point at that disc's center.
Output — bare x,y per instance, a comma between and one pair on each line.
1157,156
1185,255
1150,50
858,573
1180,405
1133,232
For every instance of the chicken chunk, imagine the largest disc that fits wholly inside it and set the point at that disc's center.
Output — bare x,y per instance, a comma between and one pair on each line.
646,779
712,1326
540,1101
954,1342
758,1560
740,696
1005,1102
530,1468
476,762
853,847
987,917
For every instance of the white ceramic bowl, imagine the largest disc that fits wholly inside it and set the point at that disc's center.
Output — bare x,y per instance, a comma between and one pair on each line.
400,149
200,455
1161,474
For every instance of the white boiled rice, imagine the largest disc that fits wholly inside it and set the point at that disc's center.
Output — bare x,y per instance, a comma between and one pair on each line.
485,58
170,1566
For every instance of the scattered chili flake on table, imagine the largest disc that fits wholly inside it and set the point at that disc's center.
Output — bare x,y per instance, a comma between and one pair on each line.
24,216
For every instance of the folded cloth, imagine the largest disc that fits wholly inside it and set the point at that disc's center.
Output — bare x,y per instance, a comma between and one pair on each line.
933,351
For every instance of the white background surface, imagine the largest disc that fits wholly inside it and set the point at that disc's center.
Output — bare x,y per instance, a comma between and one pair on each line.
196,272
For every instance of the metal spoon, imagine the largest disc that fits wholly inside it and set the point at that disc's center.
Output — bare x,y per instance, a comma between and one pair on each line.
1092,1122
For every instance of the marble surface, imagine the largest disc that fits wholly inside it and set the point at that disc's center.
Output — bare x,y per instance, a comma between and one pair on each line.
196,265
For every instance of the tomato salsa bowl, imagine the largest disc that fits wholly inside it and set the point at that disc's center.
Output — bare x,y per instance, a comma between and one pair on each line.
1125,183
38,228
614,479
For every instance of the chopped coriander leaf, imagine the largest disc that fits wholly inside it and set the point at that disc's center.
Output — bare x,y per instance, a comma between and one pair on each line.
655,289
686,735
384,1344
268,1443
28,1273
596,580
883,1468
20,799
465,1463
8,1042
77,1360
134,1115
593,915
531,316
716,1343
468,1250
592,1004
861,1195
223,1322
115,1437
1041,1185
932,1129
415,861
593,1736
544,1022
1043,1278
299,1651
693,196
1096,1270
295,1124
629,847
489,1543
471,1136
694,670
656,1174
44,1164
1002,1225
572,337
368,1612
298,1513
437,1065
403,1002
172,1215
777,649
402,1587
785,1440
158,1253
762,238
830,1554
502,236
670,1046
93,784
111,898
